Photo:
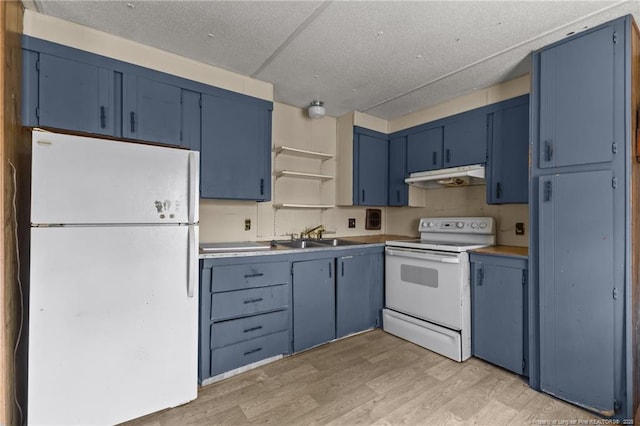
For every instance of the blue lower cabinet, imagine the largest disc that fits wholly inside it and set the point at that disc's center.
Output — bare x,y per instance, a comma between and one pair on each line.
358,293
314,303
498,311
245,312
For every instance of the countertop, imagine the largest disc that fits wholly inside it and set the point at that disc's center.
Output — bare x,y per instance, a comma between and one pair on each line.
522,252
364,240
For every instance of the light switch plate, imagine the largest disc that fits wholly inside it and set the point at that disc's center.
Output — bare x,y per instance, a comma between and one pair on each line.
247,224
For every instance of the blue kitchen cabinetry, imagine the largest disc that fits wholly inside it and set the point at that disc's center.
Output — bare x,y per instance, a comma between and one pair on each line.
245,312
499,310
370,167
465,139
507,171
68,94
235,150
424,150
580,216
152,110
358,293
314,303
398,190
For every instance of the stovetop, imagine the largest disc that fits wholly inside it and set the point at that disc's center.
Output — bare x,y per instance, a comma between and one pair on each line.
435,245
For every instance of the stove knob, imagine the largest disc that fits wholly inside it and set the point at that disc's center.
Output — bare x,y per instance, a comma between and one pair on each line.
483,225
474,225
460,224
430,225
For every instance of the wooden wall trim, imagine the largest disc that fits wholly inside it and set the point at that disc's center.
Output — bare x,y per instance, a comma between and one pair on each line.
11,12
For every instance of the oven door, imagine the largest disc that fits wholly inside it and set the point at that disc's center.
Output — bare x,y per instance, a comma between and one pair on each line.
426,284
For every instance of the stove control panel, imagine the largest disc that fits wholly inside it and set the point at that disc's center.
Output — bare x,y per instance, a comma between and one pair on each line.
465,225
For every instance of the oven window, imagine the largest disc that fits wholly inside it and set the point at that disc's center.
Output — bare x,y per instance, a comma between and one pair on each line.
419,275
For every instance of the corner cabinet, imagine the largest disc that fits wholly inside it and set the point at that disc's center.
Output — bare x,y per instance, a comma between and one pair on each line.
235,150
582,207
370,167
499,310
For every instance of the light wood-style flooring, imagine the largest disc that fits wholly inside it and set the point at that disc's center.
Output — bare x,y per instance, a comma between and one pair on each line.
370,378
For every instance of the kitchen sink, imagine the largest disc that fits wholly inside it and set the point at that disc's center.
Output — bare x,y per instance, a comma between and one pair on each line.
300,244
337,242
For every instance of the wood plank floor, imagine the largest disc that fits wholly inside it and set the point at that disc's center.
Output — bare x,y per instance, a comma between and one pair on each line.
370,378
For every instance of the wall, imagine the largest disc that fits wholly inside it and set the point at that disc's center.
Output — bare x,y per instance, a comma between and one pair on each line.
10,74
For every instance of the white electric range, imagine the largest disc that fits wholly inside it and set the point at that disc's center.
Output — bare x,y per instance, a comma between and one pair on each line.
427,288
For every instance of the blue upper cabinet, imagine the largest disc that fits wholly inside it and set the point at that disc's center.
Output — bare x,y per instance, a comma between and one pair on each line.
576,114
508,163
370,167
69,95
398,190
151,110
235,151
465,139
424,150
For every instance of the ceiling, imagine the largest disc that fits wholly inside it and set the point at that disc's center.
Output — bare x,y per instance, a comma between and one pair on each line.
384,58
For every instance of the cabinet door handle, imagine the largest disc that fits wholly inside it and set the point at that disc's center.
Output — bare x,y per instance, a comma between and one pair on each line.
548,189
252,351
498,190
103,117
548,151
256,300
247,330
329,269
448,154
262,186
132,121
434,158
363,195
398,195
342,267
480,276
259,274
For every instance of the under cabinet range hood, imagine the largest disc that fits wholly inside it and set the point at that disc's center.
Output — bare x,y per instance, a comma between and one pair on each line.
456,176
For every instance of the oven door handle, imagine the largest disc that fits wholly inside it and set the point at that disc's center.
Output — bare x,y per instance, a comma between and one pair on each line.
422,255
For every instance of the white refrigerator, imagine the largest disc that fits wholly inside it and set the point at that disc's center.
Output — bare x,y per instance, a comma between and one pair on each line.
113,303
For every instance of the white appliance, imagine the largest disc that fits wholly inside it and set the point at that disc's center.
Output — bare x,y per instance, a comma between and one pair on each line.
113,304
455,176
427,288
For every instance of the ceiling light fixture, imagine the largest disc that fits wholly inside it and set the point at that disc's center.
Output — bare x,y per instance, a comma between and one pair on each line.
316,109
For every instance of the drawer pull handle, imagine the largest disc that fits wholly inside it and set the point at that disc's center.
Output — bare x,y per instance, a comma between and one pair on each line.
253,329
260,274
252,351
257,299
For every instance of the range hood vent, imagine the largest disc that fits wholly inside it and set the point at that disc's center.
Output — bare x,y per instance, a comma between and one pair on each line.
454,177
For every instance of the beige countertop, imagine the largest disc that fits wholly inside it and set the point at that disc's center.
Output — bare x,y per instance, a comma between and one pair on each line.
504,251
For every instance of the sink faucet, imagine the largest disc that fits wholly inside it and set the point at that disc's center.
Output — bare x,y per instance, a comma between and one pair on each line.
318,230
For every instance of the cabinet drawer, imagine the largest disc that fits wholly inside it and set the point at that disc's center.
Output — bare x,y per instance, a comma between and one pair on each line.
239,303
250,351
238,330
237,277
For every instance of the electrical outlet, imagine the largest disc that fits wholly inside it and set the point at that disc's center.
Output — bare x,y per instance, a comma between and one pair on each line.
247,224
352,222
519,228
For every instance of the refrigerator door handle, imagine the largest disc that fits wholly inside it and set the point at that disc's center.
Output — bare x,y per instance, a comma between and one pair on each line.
192,261
193,186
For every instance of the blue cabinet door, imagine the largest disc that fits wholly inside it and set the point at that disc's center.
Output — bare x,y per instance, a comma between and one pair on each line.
398,190
75,96
151,110
424,150
370,168
313,303
498,313
465,140
190,134
508,165
577,287
235,151
577,97
355,287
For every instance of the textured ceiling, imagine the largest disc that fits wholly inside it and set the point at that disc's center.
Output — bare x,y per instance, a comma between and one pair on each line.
383,58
